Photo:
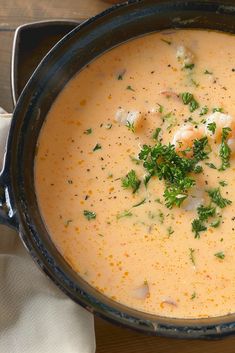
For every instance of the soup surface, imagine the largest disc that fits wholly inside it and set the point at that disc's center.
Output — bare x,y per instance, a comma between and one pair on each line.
135,173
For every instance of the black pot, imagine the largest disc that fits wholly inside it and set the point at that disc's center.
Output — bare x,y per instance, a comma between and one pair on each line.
19,208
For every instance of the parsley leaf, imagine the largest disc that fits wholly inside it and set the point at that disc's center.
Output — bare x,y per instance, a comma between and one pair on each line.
216,197
215,223
204,212
204,111
130,126
201,149
130,88
156,133
197,227
220,255
206,72
131,181
97,147
192,256
220,110
124,214
223,183
89,215
188,99
173,196
88,131
225,151
212,127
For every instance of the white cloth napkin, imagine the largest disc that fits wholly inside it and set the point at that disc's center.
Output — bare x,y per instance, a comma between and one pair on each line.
35,316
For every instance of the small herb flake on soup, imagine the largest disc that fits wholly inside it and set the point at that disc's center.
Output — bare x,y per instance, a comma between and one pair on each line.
135,173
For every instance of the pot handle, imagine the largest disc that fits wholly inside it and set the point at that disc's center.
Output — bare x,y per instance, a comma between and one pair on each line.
7,214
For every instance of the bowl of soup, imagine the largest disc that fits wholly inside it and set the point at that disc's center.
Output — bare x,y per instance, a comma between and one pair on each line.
119,171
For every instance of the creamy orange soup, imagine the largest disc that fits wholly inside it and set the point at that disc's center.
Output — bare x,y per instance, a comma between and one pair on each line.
135,173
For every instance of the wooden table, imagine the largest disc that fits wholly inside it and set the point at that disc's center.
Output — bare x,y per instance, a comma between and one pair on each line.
13,13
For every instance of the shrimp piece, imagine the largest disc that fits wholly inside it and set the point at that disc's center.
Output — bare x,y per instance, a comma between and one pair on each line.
185,136
124,117
221,120
184,56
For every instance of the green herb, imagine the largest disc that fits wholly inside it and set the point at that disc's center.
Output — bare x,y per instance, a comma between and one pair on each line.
161,216
198,169
192,256
204,111
206,72
97,147
158,201
166,41
188,99
220,110
215,223
220,255
130,88
170,231
161,108
124,214
201,149
196,84
170,119
198,227
121,74
205,212
225,151
212,127
193,296
189,66
216,197
223,183
174,197
130,126
88,131
131,181
156,133
135,160
211,165
139,203
147,177
89,215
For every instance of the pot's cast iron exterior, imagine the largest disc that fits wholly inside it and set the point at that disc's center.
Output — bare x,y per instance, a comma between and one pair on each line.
18,203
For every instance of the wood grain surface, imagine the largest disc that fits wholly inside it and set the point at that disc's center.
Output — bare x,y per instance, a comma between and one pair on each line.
110,339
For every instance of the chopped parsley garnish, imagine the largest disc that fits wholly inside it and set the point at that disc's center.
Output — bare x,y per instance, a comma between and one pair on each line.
161,216
220,255
130,126
212,127
198,227
189,66
130,88
97,147
193,296
201,149
204,212
206,72
121,74
139,203
163,162
211,165
170,231
166,41
188,99
216,197
220,110
223,183
89,215
198,169
131,181
161,108
124,214
196,84
204,111
215,223
147,177
192,256
88,131
225,151
156,133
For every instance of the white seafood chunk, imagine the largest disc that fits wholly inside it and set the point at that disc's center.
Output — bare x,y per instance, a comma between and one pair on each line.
142,292
124,117
194,199
185,136
184,56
